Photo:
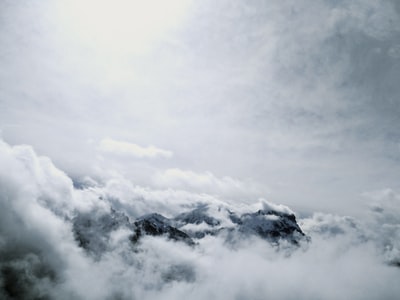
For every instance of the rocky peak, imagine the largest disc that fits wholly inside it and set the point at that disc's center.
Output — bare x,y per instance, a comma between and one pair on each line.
93,230
157,225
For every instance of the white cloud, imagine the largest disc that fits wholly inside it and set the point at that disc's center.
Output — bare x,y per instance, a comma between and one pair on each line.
131,149
207,182
177,177
266,205
37,246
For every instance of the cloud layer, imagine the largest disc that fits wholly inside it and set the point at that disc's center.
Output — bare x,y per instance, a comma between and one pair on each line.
346,258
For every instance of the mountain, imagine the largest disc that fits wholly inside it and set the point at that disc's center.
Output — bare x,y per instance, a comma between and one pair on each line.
270,225
157,225
92,231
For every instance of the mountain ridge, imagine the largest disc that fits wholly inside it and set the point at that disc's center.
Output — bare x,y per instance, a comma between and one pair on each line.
92,231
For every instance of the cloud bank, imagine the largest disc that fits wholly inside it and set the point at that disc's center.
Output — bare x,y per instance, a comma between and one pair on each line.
41,257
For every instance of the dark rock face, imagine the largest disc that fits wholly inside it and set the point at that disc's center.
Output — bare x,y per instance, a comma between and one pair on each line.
235,218
271,225
197,216
395,263
267,224
158,225
92,231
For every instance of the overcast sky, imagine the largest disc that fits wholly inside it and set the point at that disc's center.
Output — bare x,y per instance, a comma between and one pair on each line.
127,107
293,101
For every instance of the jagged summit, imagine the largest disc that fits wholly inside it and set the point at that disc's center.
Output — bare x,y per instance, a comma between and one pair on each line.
272,225
197,216
92,231
158,225
268,224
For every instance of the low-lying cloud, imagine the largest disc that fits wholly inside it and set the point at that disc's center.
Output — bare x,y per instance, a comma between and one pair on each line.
41,257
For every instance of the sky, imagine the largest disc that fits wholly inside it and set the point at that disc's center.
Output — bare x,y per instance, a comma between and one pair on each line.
160,106
293,101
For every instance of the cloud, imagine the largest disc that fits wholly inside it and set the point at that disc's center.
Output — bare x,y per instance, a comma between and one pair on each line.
36,199
385,213
346,258
207,182
379,227
130,149
291,90
300,95
328,225
178,177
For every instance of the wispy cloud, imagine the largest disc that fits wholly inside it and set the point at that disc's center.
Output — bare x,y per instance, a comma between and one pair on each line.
131,149
207,182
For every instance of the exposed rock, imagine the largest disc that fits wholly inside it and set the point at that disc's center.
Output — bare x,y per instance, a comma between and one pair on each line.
197,216
268,224
271,225
92,231
158,225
